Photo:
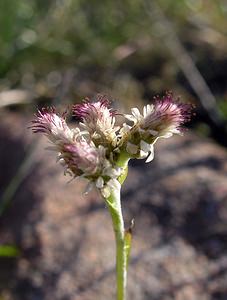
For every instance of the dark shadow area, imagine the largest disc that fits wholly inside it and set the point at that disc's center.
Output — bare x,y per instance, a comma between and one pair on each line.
204,229
17,223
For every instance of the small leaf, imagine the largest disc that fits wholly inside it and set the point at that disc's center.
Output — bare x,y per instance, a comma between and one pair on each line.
128,241
123,175
9,251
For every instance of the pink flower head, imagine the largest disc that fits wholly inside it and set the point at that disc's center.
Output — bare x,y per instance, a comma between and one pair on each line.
51,124
78,155
166,115
98,119
91,111
159,120
84,158
163,118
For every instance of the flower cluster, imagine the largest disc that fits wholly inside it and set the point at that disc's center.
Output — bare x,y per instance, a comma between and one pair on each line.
94,149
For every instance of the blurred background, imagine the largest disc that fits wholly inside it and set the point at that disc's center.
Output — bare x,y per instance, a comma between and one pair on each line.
54,242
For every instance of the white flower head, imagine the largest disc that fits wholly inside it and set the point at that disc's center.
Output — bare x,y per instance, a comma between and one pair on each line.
97,119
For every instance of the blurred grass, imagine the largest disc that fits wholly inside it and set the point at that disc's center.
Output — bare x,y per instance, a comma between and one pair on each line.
41,40
62,50
15,182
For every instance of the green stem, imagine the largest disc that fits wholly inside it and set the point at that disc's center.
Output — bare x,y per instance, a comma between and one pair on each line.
122,162
114,207
123,242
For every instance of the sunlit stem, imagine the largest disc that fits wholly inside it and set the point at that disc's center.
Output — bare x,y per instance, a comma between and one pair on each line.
122,162
122,237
